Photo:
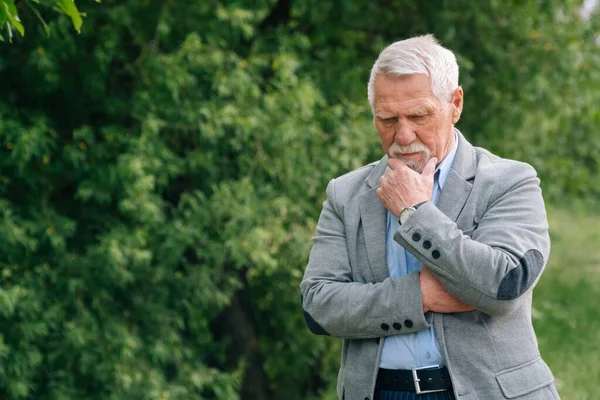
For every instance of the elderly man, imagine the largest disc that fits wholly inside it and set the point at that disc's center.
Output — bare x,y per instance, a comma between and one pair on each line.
424,262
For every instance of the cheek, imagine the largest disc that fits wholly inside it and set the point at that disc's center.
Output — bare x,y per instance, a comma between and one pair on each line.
432,135
386,136
426,134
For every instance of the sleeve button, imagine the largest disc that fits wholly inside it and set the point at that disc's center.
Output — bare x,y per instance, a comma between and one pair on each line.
397,326
385,327
426,244
408,323
435,254
416,237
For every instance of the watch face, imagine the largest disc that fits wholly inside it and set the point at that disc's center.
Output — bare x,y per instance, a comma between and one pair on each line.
405,213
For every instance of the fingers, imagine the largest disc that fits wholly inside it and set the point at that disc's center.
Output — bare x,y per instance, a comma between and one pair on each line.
387,178
429,168
394,163
383,180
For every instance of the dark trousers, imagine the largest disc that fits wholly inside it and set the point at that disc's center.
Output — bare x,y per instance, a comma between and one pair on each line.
393,395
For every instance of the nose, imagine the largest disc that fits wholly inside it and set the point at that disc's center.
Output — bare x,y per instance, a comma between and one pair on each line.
404,134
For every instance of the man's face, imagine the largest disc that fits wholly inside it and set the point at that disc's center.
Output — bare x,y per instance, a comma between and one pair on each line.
413,124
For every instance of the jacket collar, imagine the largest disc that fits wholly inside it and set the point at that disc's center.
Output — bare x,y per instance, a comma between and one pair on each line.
460,179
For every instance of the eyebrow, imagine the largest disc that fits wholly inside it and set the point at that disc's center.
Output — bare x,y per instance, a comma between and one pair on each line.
384,114
421,110
415,111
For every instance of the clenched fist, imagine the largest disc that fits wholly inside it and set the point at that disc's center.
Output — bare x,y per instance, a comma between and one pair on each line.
401,187
437,299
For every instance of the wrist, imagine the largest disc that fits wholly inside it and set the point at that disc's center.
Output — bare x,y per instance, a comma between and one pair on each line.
426,307
406,212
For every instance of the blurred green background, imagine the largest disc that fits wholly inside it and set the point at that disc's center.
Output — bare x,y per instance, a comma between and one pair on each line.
162,172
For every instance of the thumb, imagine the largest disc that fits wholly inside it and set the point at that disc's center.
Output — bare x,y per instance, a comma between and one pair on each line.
429,168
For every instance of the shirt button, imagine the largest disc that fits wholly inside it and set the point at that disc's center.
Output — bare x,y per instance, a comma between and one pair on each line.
435,254
385,327
416,237
426,244
427,355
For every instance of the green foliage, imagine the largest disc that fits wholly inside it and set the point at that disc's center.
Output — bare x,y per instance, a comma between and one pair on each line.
164,169
9,14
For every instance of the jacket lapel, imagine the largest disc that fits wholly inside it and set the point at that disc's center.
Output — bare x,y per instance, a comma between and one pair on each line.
459,181
373,217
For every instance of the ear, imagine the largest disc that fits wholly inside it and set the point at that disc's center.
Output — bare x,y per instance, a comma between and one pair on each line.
457,102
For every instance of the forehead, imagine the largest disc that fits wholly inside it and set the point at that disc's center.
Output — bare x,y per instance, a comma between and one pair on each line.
404,92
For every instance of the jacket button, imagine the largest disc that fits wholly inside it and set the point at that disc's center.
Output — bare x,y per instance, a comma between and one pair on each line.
416,237
385,327
435,254
397,326
366,398
408,323
426,244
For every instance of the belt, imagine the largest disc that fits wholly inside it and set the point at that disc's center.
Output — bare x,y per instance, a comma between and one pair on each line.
421,380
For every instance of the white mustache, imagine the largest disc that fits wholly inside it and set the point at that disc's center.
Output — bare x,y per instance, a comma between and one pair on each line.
397,151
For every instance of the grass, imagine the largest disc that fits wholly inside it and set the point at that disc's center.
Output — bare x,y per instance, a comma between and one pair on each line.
567,303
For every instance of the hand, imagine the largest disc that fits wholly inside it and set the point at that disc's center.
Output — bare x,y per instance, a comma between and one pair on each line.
401,187
436,298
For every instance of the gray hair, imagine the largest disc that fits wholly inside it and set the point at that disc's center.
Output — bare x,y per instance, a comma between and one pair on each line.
417,55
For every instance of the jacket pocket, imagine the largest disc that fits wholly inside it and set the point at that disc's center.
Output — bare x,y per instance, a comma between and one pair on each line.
524,378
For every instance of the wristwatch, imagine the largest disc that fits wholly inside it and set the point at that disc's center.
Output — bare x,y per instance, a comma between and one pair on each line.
408,211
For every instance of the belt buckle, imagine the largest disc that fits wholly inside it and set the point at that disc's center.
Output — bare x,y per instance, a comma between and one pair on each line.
416,380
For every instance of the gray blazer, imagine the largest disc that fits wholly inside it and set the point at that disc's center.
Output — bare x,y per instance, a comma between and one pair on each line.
489,245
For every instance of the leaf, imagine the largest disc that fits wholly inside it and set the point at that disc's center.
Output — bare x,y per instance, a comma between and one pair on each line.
10,11
2,13
9,30
69,8
39,16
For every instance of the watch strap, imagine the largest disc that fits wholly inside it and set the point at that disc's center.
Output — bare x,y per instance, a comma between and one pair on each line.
416,206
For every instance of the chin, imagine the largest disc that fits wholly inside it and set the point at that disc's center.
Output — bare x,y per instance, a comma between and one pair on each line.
415,165
415,162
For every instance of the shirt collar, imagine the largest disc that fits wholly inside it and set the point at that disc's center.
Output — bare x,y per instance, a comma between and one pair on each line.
443,168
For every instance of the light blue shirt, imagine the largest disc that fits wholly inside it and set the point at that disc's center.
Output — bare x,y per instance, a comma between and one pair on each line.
418,349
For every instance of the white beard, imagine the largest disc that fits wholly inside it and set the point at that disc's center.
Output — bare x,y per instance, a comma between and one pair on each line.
417,165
